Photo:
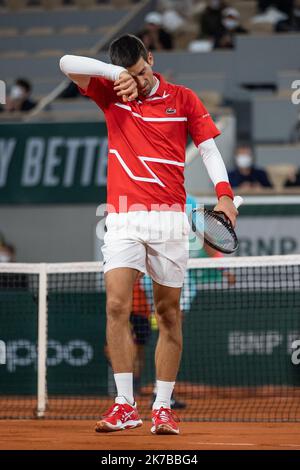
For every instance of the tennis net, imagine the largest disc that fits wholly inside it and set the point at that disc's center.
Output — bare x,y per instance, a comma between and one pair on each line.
241,330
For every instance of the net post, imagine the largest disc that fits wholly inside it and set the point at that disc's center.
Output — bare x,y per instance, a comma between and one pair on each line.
42,341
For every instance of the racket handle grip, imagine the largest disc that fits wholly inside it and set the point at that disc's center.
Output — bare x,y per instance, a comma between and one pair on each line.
238,201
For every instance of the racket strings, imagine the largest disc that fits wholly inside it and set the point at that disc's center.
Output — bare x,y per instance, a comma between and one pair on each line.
217,232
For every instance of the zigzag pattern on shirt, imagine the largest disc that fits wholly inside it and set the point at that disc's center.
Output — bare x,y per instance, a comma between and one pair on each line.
155,178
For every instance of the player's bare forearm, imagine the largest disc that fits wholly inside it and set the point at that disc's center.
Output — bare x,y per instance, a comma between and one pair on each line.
126,87
226,205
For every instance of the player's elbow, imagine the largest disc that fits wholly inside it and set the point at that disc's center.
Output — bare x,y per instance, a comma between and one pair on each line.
63,64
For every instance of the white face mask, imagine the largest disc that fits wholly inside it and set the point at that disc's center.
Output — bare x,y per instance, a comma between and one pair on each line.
230,23
244,160
16,92
5,258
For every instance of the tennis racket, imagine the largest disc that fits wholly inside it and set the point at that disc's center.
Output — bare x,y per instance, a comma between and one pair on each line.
215,228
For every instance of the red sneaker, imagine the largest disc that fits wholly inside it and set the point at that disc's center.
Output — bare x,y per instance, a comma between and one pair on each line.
164,421
119,417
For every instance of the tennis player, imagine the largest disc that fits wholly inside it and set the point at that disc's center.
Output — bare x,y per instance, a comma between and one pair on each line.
148,121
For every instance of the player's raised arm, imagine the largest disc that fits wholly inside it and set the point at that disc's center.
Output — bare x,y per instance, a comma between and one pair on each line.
80,70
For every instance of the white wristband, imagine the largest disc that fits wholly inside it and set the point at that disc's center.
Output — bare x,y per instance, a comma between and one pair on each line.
86,66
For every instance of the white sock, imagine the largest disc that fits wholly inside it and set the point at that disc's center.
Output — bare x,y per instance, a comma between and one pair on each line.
124,384
164,393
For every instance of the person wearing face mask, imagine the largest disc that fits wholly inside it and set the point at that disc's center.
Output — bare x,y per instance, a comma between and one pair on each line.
246,175
229,28
211,19
19,97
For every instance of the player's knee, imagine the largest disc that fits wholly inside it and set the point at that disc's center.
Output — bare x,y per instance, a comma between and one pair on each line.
117,309
168,313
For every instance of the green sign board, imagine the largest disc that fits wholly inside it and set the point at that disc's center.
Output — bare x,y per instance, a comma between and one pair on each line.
241,337
53,163
76,363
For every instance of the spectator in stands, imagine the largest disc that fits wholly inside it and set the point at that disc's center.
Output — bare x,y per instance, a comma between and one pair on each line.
285,6
273,11
7,252
211,19
230,27
19,97
246,175
292,23
154,36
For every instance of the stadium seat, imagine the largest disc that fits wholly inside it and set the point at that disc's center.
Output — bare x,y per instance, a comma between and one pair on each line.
57,20
16,4
34,43
202,81
279,173
285,79
284,118
39,31
7,32
246,8
269,154
259,28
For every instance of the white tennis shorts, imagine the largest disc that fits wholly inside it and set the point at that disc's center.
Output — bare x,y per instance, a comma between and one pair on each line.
152,242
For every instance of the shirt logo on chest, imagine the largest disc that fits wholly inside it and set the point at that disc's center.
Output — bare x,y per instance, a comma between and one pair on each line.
170,111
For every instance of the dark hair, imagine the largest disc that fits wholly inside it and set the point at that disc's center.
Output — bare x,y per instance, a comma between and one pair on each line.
245,143
127,50
22,82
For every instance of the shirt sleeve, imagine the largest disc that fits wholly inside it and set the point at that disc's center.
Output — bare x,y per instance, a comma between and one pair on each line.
201,127
101,91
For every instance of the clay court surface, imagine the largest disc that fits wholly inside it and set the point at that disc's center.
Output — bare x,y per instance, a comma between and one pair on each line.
80,435
261,405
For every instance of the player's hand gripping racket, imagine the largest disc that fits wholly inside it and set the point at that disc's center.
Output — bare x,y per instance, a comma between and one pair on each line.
215,228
